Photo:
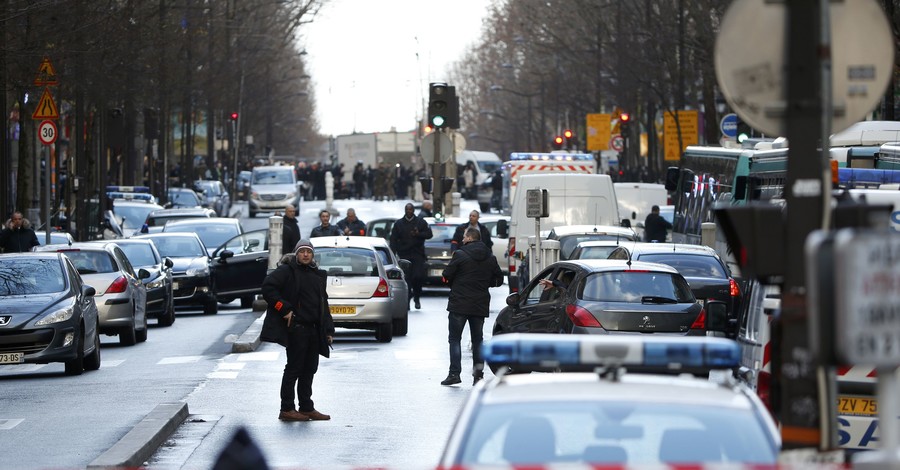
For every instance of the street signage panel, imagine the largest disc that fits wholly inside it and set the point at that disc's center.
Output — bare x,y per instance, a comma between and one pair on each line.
599,130
47,132
867,295
689,125
536,203
427,147
728,125
46,107
617,143
46,74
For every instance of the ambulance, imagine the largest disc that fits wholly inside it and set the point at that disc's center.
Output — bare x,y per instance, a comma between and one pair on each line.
524,163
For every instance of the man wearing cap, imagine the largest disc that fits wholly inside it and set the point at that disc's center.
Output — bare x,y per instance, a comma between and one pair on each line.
298,318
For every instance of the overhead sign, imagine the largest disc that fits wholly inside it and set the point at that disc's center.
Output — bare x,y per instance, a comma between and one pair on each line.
867,270
751,62
728,125
427,147
46,74
46,108
47,132
688,126
598,131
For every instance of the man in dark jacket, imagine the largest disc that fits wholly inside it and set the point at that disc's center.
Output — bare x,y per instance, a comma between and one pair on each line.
408,237
326,229
298,318
351,225
290,234
457,240
17,235
471,272
655,226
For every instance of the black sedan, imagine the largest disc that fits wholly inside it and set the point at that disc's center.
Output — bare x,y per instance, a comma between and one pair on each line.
160,298
437,249
240,265
607,297
192,282
704,270
47,314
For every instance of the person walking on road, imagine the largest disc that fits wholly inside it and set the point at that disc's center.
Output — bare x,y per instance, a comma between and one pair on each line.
350,225
298,318
457,241
471,272
407,239
290,232
326,229
656,227
426,210
17,235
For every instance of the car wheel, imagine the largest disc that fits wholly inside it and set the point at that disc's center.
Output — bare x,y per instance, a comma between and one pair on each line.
127,336
401,325
168,317
76,366
211,307
92,360
384,333
247,301
141,335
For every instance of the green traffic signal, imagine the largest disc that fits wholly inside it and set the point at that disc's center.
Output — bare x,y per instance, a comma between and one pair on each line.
438,121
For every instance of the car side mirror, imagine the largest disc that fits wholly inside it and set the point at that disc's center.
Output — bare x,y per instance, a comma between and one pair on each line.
626,223
395,273
512,299
143,273
88,291
503,228
168,262
255,243
716,316
225,254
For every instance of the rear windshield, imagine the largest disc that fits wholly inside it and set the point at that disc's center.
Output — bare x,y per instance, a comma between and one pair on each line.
633,286
347,261
30,276
689,265
596,252
91,262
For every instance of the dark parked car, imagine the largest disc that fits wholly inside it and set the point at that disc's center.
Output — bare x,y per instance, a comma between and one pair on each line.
607,297
214,231
192,283
437,249
184,197
47,313
217,197
160,298
240,265
704,270
158,218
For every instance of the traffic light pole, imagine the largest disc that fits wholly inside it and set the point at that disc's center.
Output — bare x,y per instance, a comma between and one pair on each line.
437,176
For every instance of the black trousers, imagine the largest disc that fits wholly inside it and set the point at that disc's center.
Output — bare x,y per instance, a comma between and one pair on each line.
302,364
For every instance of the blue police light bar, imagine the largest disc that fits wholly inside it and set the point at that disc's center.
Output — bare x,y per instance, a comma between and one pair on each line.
131,196
521,350
128,189
550,156
863,176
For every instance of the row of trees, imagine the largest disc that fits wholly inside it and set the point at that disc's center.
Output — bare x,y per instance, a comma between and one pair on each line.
193,61
541,65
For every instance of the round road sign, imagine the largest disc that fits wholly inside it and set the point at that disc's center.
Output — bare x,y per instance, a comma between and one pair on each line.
47,132
728,125
617,143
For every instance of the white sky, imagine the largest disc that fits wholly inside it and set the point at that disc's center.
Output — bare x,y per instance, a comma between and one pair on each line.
362,56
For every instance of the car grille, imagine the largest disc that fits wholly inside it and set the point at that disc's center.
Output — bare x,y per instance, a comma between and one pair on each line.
272,197
28,343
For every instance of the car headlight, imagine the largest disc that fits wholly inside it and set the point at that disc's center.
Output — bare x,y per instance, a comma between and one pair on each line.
157,283
57,316
197,270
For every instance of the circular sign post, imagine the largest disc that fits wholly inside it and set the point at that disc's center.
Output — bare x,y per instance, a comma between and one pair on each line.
617,143
47,132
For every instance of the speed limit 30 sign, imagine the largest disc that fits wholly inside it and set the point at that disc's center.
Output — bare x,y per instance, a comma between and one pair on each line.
47,132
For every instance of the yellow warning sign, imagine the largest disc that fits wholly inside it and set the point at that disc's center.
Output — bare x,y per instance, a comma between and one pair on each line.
46,108
598,131
46,74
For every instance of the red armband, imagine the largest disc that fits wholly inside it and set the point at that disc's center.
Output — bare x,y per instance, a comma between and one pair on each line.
278,305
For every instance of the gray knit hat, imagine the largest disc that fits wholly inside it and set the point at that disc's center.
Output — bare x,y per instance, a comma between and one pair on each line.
303,244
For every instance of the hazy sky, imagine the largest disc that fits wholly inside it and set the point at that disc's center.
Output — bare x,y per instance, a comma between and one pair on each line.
371,60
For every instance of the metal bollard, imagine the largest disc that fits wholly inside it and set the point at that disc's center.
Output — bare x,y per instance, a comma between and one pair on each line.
455,200
276,227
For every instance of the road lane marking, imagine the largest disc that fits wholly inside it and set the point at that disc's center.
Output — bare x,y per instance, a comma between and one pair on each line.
179,360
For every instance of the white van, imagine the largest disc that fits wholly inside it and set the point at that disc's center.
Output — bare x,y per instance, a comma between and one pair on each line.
486,163
636,200
574,199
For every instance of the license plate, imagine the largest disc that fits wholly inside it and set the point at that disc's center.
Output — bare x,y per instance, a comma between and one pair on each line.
857,406
342,310
12,358
437,273
174,286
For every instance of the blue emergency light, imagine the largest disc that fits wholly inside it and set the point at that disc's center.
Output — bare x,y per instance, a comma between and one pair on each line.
521,350
863,176
128,189
130,196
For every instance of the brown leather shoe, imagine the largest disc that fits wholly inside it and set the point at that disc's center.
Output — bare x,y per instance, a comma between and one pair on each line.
291,415
315,415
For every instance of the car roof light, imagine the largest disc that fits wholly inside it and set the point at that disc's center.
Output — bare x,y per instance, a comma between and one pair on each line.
578,352
128,189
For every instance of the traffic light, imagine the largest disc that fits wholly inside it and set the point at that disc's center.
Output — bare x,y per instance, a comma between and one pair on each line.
439,100
744,131
570,138
558,142
234,117
624,124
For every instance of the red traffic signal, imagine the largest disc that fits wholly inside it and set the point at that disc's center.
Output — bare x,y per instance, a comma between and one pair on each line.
568,134
558,142
624,117
234,116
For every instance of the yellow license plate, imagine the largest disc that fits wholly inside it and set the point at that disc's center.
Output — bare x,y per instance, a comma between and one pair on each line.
342,310
857,406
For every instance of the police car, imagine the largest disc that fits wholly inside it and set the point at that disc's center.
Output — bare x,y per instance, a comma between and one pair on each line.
616,400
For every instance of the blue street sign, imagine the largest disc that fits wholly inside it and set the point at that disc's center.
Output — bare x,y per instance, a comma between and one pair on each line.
728,125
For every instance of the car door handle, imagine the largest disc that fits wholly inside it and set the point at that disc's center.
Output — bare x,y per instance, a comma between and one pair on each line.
261,259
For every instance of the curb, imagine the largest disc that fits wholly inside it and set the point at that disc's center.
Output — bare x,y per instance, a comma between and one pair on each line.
249,340
143,440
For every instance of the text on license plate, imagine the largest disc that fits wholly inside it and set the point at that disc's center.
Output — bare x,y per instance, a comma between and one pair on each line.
857,406
342,309
436,273
12,358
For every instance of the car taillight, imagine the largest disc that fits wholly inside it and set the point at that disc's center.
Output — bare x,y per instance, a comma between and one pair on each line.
118,286
763,388
700,321
382,289
581,317
735,289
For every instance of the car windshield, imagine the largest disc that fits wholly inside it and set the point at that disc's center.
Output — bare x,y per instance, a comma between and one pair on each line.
688,265
133,216
91,262
628,432
347,261
30,276
213,235
568,243
442,233
634,286
186,198
179,247
139,254
596,252
273,176
488,166
160,220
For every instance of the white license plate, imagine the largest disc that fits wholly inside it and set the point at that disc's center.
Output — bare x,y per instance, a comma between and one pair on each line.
437,273
12,358
174,286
